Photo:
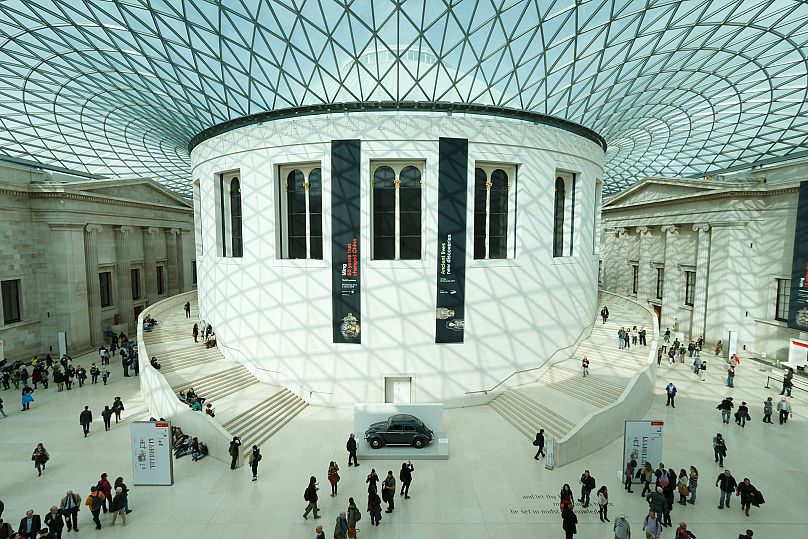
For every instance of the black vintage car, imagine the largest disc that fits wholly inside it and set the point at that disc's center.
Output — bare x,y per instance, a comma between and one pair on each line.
399,429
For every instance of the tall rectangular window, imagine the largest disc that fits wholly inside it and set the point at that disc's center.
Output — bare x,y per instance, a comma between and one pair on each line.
10,290
635,273
134,276
105,282
301,212
229,235
690,287
783,299
660,282
564,214
491,210
600,271
193,271
161,286
397,216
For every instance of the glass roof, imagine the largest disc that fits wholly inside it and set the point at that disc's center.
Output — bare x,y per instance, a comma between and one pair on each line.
677,88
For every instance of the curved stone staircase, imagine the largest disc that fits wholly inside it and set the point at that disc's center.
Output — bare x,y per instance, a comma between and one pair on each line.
562,401
244,406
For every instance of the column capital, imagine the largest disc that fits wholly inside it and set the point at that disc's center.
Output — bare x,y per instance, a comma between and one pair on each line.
151,230
670,229
643,230
93,228
620,231
124,230
701,227
175,231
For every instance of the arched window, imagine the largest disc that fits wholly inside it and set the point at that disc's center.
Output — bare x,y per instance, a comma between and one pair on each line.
491,219
235,218
384,213
397,222
409,201
558,217
301,234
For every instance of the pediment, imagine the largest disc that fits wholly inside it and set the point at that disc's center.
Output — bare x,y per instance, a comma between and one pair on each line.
140,190
651,190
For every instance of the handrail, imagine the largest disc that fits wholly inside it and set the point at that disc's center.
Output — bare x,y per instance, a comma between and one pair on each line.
575,344
793,385
312,392
246,358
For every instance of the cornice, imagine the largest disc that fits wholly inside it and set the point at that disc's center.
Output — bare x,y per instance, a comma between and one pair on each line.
112,201
704,196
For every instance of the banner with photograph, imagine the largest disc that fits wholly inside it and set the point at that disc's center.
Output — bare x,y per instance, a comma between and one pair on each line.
345,249
643,443
152,460
452,195
798,301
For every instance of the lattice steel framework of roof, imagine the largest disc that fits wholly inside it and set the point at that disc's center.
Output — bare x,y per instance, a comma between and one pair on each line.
675,87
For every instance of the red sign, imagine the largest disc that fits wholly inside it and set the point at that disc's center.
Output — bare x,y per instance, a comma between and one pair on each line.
161,425
657,423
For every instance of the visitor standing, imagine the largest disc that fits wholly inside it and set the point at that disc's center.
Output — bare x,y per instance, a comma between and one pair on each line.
670,391
682,487
628,475
719,449
569,521
353,515
703,369
768,407
333,477
27,397
787,383
587,485
405,476
350,446
374,506
187,309
747,535
253,460
731,376
585,366
692,484
235,443
603,504
85,419
622,529
604,313
389,490
117,408
718,348
195,332
682,532
643,333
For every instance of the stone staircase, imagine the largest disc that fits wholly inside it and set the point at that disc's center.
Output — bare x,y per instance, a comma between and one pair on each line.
562,397
245,406
258,423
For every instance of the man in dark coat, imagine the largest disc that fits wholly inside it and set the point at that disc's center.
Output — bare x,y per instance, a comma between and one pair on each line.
30,525
539,443
587,485
351,447
85,418
233,450
55,522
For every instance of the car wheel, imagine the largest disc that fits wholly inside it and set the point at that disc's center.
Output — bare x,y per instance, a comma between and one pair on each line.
418,443
376,443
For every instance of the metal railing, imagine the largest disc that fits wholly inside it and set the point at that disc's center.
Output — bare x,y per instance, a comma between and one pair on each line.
246,358
780,380
575,344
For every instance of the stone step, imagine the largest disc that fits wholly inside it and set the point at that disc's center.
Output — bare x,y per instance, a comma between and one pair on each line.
247,416
529,416
271,420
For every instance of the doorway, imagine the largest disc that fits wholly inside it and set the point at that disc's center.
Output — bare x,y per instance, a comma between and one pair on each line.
398,389
138,309
658,314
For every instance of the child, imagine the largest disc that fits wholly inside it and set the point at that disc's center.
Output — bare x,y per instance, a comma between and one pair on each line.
105,375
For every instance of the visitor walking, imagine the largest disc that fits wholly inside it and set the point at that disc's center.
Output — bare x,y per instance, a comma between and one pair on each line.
719,449
731,376
333,477
70,506
310,495
195,332
40,457
585,366
187,309
646,475
604,313
353,515
27,397
670,391
622,528
55,522
718,348
85,419
727,484
628,475
784,407
749,495
117,506
603,504
726,407
682,532
651,526
539,444
569,521
405,476
768,407
703,369
742,415
95,502
117,408
374,506
106,415
787,382
587,485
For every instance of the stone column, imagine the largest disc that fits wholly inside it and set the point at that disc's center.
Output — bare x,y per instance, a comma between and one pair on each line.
150,263
644,277
171,261
702,271
93,284
670,296
182,283
123,264
67,286
607,256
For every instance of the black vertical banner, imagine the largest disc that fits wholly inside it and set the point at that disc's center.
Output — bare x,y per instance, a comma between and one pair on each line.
798,303
345,221
452,194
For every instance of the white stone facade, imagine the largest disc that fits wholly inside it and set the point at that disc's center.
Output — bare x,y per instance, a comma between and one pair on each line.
275,314
56,237
734,235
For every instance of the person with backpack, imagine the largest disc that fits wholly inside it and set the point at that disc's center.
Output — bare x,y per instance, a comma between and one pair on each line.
354,516
651,526
95,502
310,495
253,460
105,488
587,485
94,373
235,443
539,443
683,533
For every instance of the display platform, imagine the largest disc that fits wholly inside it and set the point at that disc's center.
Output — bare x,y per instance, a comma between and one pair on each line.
437,450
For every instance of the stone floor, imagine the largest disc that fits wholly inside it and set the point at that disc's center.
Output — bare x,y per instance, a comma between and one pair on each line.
490,488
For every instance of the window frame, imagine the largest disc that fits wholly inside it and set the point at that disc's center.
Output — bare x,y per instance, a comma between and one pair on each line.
160,279
660,282
194,276
106,290
282,209
136,283
16,314
785,297
563,222
226,240
508,246
690,287
236,222
397,166
635,277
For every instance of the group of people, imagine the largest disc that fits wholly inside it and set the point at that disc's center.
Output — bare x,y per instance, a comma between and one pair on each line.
109,498
631,336
182,444
784,410
86,416
196,402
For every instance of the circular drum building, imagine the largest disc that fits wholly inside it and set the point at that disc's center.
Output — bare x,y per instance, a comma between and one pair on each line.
399,252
